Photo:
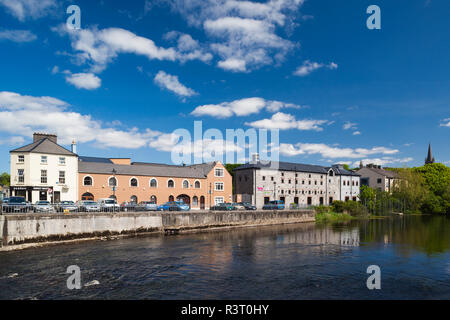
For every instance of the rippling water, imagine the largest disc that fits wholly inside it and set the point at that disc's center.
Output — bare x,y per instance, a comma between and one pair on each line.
302,261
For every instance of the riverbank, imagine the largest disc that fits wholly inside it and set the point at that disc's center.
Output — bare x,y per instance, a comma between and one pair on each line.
31,230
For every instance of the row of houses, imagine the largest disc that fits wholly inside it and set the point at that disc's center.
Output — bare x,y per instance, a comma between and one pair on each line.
44,170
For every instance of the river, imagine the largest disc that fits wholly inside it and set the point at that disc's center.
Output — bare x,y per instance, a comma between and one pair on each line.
301,261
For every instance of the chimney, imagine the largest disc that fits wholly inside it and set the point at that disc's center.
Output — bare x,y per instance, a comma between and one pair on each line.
255,158
40,136
74,146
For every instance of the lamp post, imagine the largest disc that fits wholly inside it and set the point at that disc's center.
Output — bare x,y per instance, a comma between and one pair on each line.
114,188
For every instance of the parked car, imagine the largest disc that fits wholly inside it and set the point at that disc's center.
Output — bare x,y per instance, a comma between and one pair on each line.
169,206
108,205
128,206
15,204
248,206
147,206
183,206
274,205
239,206
88,206
223,207
66,205
5,200
43,206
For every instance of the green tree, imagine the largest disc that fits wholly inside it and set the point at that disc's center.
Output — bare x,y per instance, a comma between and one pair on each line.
5,179
367,197
411,190
437,177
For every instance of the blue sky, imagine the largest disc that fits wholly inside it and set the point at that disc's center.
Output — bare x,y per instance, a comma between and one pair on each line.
138,70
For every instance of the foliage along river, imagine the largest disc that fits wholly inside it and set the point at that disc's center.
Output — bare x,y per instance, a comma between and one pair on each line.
301,261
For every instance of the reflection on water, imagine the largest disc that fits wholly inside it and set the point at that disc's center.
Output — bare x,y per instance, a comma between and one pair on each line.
301,261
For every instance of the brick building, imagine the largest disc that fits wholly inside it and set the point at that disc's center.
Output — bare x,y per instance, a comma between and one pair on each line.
201,185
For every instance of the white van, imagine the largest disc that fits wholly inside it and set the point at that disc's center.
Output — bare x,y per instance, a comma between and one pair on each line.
108,205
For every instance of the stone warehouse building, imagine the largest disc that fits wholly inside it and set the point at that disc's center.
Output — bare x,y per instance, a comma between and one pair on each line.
374,176
297,183
44,170
201,185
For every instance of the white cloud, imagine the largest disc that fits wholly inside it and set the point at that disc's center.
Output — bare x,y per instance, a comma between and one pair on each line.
88,81
285,121
204,148
383,161
13,141
349,125
100,47
307,67
332,152
23,9
356,133
445,123
17,35
242,107
243,32
21,115
172,83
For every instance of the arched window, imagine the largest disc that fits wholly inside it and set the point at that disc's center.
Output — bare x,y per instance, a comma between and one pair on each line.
87,196
87,181
112,182
171,198
195,201
134,199
170,184
185,184
197,184
153,183
153,199
133,182
331,173
113,197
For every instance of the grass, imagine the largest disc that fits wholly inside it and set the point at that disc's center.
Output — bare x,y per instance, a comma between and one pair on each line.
333,217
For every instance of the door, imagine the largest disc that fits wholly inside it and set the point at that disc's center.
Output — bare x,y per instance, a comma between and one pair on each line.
56,197
309,201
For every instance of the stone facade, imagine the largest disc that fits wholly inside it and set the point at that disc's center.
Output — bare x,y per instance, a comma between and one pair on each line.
319,185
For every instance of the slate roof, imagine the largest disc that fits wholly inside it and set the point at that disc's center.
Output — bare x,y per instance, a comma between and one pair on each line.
383,172
147,169
45,146
94,159
296,167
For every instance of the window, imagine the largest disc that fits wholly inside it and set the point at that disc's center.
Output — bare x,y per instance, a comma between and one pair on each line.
195,201
264,178
282,180
331,173
62,177
21,159
20,174
134,199
218,186
310,176
153,199
218,172
87,181
44,159
133,182
379,180
153,183
282,174
197,185
43,176
186,184
218,200
170,184
112,182
271,178
62,160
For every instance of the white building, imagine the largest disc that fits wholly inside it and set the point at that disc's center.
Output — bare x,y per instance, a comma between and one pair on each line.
43,170
295,183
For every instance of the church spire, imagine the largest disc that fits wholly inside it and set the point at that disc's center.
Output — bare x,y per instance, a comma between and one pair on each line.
430,158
